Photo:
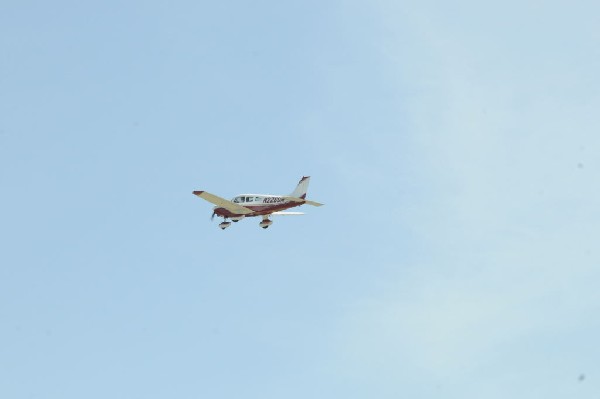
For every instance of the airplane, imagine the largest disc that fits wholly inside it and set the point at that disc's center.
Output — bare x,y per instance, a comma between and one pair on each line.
251,205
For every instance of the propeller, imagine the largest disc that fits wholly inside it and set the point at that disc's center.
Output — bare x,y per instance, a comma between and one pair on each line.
212,216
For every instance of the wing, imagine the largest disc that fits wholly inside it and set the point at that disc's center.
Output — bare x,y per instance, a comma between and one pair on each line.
313,203
222,202
286,213
295,199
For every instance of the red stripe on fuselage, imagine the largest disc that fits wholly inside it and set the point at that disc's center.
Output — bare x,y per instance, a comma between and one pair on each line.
259,210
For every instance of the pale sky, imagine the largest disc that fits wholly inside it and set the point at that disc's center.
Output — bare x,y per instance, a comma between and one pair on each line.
455,146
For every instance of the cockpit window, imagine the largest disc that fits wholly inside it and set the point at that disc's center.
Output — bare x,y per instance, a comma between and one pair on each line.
238,200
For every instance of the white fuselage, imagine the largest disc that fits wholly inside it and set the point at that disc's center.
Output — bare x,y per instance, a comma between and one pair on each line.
260,204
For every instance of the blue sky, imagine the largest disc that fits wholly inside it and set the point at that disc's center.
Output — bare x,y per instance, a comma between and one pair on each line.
454,144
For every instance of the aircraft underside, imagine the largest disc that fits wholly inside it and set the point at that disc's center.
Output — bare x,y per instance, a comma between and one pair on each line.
264,211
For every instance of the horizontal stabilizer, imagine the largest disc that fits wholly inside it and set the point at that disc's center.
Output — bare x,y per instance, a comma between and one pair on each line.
313,203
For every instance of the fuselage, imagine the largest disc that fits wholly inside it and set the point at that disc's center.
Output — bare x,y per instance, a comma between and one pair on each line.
260,204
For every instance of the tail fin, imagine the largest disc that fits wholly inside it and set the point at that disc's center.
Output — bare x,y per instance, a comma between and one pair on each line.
300,191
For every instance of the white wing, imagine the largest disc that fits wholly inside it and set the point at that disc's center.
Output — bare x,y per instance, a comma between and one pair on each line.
222,202
287,213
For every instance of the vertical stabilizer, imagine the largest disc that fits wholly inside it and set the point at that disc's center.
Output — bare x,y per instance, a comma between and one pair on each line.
302,188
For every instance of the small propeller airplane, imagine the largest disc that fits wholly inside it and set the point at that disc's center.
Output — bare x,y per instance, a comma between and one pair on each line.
251,205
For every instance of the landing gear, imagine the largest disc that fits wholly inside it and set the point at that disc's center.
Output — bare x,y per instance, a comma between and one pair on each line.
225,224
265,222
